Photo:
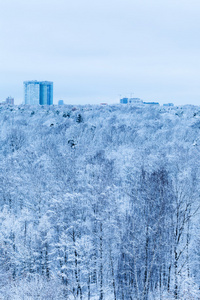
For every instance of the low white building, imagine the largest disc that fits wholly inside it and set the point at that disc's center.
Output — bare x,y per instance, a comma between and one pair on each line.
135,101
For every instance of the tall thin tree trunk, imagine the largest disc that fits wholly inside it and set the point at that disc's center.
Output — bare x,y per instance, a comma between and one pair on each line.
175,274
89,293
169,278
113,276
146,264
79,290
101,262
188,240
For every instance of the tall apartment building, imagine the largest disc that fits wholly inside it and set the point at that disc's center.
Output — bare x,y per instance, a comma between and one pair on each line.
38,92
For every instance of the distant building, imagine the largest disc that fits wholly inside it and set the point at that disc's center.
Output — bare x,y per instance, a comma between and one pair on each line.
103,103
10,100
139,102
60,102
135,101
151,103
168,104
38,92
124,101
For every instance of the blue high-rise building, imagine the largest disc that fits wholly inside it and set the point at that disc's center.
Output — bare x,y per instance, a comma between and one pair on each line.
38,92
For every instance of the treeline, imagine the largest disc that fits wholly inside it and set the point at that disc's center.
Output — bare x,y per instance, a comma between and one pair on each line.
99,203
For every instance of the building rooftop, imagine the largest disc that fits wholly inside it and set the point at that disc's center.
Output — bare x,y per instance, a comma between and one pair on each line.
38,82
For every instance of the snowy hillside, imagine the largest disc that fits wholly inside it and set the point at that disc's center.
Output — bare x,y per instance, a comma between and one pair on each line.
99,202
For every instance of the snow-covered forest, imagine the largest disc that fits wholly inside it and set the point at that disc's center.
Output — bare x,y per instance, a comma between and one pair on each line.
99,203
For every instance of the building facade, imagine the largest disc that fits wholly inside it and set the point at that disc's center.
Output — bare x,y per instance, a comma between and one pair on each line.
138,102
124,101
38,92
168,104
10,100
135,101
60,102
152,103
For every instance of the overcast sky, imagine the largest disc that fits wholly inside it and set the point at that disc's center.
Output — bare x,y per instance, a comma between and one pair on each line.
95,51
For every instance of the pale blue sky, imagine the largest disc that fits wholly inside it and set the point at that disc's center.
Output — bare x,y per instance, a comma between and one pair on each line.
95,51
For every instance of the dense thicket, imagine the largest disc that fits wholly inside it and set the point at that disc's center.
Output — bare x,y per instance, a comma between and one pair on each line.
99,203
